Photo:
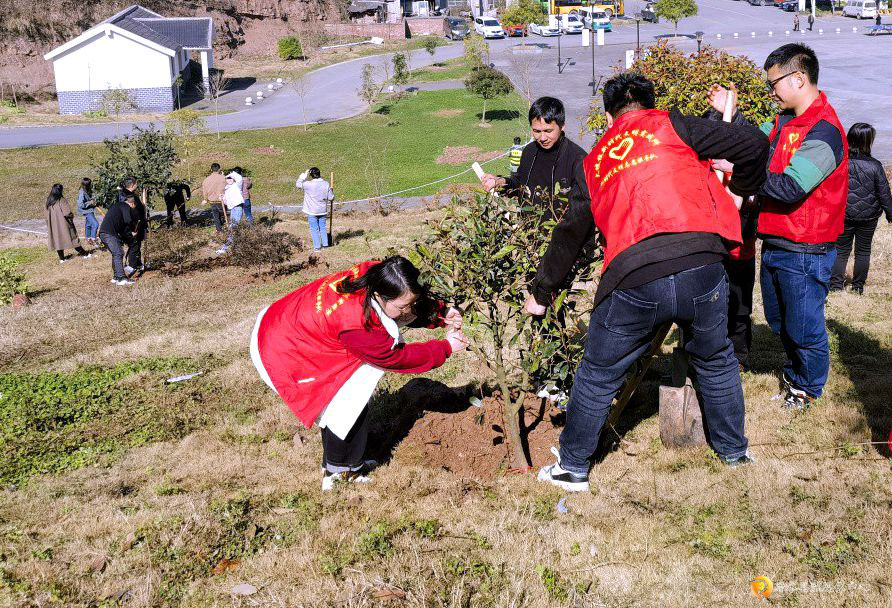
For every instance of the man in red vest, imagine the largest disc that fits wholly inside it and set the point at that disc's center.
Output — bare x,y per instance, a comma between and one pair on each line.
803,204
666,223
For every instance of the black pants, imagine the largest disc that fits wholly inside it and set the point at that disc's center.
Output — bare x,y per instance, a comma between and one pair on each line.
134,253
862,235
180,206
741,279
341,455
117,252
217,214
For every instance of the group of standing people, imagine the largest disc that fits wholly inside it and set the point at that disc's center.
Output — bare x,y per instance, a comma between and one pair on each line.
229,197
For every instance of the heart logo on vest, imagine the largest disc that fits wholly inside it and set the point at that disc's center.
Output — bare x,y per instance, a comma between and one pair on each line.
621,150
793,138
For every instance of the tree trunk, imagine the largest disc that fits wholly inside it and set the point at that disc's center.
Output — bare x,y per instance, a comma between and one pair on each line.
483,116
511,412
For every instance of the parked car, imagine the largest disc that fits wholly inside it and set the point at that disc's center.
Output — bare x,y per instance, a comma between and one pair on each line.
545,29
488,27
788,6
761,2
600,21
860,9
515,30
648,14
455,28
571,24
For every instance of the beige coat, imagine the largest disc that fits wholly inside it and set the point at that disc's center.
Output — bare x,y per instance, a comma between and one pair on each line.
60,226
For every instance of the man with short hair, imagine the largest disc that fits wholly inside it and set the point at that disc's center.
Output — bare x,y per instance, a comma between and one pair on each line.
803,203
666,223
552,162
212,187
175,197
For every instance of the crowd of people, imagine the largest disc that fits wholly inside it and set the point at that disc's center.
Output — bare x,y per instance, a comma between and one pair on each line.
126,221
679,245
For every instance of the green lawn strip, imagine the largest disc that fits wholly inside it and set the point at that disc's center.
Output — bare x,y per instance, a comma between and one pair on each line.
454,69
51,422
373,154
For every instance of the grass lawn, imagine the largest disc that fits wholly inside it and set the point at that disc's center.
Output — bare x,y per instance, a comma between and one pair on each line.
119,489
392,148
454,69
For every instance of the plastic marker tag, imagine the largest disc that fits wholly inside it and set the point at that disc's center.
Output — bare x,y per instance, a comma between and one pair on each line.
478,170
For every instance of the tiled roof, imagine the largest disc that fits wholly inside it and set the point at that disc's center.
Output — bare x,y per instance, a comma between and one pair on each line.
171,33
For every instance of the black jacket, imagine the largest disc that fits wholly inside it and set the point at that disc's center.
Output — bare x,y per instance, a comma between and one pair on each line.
540,170
140,220
118,221
869,195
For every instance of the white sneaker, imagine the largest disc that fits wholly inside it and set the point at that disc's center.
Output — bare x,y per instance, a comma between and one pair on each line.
555,475
128,270
62,261
329,480
89,255
123,282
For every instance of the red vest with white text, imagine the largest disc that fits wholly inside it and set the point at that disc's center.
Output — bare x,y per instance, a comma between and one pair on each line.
818,218
644,180
299,346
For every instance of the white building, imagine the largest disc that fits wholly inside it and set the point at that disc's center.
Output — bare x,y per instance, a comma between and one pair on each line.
136,50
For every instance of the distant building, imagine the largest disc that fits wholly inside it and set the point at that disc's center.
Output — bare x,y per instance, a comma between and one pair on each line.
137,51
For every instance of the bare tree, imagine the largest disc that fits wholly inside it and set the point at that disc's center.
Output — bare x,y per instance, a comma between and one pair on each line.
302,87
523,66
216,85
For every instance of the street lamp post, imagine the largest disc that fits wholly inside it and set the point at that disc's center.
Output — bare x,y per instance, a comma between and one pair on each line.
699,36
592,44
559,66
637,33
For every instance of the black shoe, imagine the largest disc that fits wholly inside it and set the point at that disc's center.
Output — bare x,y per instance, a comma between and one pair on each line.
738,461
556,475
858,291
797,399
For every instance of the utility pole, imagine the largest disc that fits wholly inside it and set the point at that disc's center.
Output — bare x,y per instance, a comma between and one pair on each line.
594,86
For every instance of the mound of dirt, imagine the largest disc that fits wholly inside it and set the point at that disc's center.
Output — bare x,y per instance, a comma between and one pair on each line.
448,113
471,442
453,155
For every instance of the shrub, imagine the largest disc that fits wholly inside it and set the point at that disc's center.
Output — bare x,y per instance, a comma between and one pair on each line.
400,68
476,51
12,279
290,48
682,80
482,255
174,248
260,246
430,45
524,12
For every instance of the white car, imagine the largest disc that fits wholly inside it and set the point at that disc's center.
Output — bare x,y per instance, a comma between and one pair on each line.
545,29
571,24
488,27
599,21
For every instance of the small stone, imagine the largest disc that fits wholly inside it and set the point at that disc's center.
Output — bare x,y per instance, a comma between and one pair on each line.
297,440
244,589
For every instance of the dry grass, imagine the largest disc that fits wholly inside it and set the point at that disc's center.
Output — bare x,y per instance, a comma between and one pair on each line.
660,527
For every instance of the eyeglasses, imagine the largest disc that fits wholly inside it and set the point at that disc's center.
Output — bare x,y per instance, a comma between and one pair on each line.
772,83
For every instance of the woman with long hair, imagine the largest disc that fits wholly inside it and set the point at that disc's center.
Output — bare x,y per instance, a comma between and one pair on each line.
87,207
324,347
869,198
61,233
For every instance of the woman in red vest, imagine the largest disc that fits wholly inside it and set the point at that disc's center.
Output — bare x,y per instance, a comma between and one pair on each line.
324,347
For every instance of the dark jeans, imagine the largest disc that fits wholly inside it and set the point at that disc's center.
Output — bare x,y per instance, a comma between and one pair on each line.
862,234
794,288
620,331
134,253
117,252
741,280
342,455
179,206
217,214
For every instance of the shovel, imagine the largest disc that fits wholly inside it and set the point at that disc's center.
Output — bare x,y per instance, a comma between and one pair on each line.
681,423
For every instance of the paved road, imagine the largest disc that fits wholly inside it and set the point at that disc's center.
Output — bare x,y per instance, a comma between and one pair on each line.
329,93
851,73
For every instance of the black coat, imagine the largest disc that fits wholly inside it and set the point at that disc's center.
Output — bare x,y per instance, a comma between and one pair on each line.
869,195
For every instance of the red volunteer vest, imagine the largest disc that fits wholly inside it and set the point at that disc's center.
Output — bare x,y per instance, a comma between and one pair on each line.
299,346
644,180
819,217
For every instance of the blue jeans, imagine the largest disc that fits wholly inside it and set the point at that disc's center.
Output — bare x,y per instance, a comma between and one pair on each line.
247,208
235,218
620,331
92,225
318,231
794,287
